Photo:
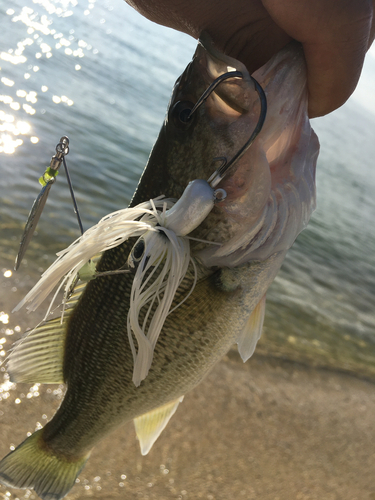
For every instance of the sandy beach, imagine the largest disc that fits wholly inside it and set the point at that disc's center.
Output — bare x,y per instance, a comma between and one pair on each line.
268,429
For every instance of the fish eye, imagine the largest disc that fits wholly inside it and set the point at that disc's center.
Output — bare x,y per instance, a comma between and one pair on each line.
180,113
138,250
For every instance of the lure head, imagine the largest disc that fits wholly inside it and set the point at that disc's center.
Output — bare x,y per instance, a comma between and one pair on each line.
182,218
191,209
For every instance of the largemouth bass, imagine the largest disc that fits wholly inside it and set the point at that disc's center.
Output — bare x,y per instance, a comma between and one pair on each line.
238,248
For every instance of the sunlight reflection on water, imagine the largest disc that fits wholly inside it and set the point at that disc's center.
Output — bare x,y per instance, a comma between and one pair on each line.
41,43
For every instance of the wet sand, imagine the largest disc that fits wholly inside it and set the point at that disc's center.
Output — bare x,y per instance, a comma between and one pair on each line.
268,429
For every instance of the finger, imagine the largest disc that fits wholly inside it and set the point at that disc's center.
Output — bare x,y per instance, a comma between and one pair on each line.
333,72
335,36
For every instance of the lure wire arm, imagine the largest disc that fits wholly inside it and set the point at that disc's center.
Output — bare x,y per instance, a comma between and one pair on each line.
76,211
46,180
219,173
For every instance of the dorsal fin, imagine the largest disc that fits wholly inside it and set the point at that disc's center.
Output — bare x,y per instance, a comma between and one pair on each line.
150,425
38,356
252,331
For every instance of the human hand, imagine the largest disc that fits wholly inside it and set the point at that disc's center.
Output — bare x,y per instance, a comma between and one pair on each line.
335,36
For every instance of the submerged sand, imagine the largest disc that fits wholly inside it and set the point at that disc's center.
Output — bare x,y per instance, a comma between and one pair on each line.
268,429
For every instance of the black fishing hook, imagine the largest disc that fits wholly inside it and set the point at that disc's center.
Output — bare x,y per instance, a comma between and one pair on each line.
219,173
212,87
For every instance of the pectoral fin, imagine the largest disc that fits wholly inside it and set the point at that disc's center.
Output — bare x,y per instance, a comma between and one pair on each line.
252,331
150,425
38,356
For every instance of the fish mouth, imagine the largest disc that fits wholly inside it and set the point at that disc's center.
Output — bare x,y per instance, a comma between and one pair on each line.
230,99
219,62
234,96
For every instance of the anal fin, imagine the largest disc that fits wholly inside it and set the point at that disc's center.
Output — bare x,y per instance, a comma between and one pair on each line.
150,425
252,331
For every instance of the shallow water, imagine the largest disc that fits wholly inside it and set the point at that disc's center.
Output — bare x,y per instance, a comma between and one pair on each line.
102,75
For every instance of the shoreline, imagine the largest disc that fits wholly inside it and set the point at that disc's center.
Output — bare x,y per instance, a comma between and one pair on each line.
267,429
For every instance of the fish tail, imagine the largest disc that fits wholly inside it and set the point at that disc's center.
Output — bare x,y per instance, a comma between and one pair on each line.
32,465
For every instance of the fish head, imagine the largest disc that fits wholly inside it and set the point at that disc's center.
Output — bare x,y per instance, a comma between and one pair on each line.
270,189
186,148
